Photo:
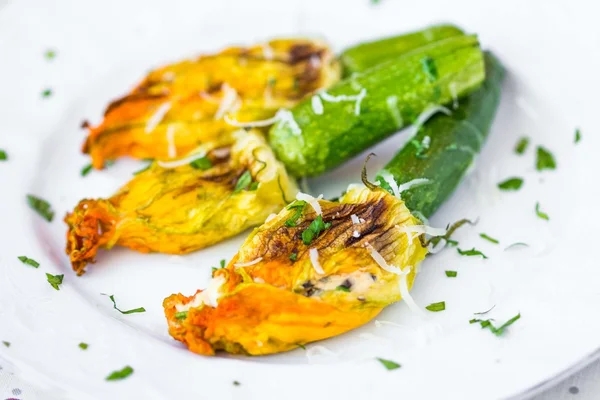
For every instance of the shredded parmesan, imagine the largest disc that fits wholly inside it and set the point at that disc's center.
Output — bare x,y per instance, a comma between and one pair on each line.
313,254
415,182
419,230
354,219
209,296
357,98
356,234
404,292
270,217
285,117
389,179
441,245
361,95
267,51
381,261
180,162
249,263
158,116
228,101
317,105
171,149
426,114
314,202
259,280
392,105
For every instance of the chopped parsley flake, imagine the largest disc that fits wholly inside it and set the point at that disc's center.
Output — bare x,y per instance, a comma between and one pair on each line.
545,159
303,347
202,163
293,256
3,155
86,170
489,238
41,206
181,315
421,146
236,383
83,346
314,229
472,252
297,205
522,145
540,213
47,93
429,68
55,280
389,364
577,135
50,54
135,310
222,263
243,182
5,343
29,261
451,243
451,274
118,375
437,307
496,331
511,184
343,288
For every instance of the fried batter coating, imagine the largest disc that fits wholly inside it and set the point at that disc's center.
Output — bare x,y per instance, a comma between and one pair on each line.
180,106
272,298
172,209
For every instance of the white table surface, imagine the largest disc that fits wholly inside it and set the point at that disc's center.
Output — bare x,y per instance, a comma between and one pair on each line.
584,385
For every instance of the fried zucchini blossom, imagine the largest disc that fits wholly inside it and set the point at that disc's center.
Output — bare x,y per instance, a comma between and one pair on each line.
316,270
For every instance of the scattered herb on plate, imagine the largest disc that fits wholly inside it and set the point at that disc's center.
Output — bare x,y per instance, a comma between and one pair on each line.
451,274
436,307
3,155
388,364
29,261
489,238
55,280
83,346
86,170
50,54
236,383
522,145
132,311
511,184
545,159
540,213
41,206
577,135
496,331
121,374
472,252
5,343
47,93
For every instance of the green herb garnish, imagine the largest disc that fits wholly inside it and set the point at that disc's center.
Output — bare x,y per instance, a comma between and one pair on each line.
545,159
298,205
451,274
303,347
236,383
47,93
522,145
452,243
86,170
343,288
496,331
471,252
388,364
421,147
511,184
202,163
293,256
3,155
83,346
428,65
135,310
222,263
436,307
29,261
181,315
243,182
50,54
118,375
5,343
41,206
55,280
577,135
489,238
540,213
314,229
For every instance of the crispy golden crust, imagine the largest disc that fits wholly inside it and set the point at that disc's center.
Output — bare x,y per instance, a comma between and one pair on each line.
183,209
183,105
272,301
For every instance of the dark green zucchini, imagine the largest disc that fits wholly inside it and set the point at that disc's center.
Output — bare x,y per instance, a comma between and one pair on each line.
394,94
454,142
366,55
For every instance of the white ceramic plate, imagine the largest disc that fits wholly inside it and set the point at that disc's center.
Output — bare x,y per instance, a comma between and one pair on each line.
104,47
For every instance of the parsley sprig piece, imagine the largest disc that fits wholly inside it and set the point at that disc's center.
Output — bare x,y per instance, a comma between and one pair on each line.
5,343
437,307
3,155
181,315
202,163
86,170
577,135
29,261
451,274
314,229
489,238
41,206
83,346
472,252
135,310
388,364
47,93
540,213
522,145
245,183
545,159
514,183
297,205
120,374
50,54
55,280
487,323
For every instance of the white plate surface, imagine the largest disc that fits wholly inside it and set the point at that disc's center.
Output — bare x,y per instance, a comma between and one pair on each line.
550,51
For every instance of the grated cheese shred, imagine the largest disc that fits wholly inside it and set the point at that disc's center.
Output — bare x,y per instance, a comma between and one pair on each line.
314,260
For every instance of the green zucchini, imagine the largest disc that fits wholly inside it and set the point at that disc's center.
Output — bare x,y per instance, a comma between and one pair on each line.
366,55
395,93
455,141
